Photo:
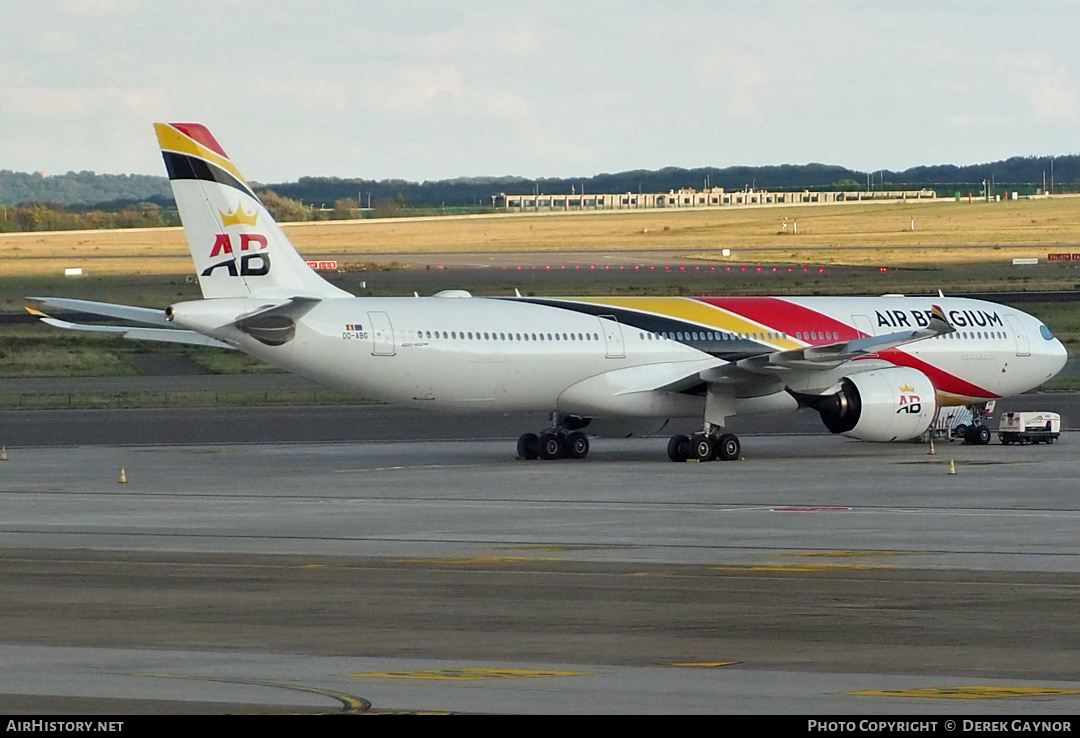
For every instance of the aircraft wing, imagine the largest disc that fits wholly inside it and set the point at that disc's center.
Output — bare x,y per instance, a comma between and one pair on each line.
168,335
762,372
832,355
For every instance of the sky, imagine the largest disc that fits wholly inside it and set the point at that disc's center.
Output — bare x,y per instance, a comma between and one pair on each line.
427,89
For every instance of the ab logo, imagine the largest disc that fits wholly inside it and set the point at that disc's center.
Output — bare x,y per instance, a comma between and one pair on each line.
909,402
250,265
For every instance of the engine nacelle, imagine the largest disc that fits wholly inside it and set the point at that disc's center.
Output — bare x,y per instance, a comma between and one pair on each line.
885,405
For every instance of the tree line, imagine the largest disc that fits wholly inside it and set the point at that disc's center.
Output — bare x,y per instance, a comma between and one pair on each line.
52,217
88,200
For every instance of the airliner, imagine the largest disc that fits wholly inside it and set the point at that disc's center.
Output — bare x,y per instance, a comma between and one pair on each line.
873,368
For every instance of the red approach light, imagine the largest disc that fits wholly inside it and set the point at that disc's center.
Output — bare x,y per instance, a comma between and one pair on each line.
774,269
652,268
744,269
636,268
578,266
592,266
441,266
682,269
667,269
806,271
884,269
547,267
519,268
712,269
728,269
821,271
759,269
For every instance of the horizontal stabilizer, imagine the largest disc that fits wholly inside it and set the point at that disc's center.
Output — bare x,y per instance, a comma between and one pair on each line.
109,310
167,335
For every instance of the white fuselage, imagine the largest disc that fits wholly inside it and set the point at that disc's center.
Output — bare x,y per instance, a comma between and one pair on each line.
482,354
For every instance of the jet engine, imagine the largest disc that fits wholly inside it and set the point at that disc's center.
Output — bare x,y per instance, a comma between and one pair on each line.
885,405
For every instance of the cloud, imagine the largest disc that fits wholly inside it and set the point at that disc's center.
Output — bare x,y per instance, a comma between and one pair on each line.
52,102
414,89
507,106
516,41
1041,82
1052,101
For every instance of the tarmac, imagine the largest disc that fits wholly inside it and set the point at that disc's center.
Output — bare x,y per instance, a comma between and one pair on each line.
374,559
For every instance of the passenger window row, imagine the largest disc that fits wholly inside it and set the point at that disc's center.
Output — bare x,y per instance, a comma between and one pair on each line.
817,336
961,335
710,336
502,336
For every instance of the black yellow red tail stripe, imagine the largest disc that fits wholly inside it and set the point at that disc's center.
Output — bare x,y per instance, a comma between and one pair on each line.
191,152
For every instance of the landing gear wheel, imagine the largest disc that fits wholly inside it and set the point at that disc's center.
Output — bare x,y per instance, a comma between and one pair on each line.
678,448
577,445
728,447
551,446
703,448
527,446
981,435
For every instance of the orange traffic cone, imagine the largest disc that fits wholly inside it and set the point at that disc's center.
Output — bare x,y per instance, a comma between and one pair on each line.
952,467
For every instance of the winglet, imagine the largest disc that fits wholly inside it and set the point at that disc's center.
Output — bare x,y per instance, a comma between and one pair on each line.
938,322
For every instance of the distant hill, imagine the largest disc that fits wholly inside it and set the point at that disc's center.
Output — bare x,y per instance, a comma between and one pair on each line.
1021,173
83,189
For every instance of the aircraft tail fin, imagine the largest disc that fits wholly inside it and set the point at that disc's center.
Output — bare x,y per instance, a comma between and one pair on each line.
237,247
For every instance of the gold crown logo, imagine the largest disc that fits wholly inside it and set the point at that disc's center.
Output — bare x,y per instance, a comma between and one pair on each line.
239,217
907,388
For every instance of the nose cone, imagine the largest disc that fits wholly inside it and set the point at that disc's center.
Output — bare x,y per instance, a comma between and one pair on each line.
1058,357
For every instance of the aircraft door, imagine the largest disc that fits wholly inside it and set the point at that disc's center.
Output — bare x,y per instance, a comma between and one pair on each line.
382,334
863,324
1023,347
613,338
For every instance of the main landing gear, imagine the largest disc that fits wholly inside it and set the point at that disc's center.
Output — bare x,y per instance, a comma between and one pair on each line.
704,446
564,440
976,434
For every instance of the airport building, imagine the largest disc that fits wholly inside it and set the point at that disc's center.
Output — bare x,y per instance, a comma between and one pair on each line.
689,198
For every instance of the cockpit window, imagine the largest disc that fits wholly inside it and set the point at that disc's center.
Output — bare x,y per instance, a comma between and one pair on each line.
1046,333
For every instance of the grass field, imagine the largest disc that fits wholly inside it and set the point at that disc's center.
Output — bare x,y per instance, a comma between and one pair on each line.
958,247
101,401
858,234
